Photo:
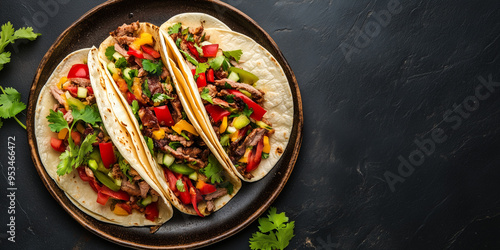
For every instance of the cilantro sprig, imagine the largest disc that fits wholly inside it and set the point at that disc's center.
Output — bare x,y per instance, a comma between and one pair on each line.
10,99
152,67
11,105
74,155
275,231
205,95
8,35
213,170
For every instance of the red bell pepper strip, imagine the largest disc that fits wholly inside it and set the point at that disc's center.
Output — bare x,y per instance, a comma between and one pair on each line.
76,136
57,144
130,97
255,157
82,174
107,153
137,53
73,90
192,193
172,180
201,81
149,50
90,90
151,211
95,186
102,198
258,111
184,196
125,207
79,71
194,51
216,112
210,76
164,116
210,50
119,195
207,188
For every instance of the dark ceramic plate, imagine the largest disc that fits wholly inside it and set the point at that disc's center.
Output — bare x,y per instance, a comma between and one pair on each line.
181,231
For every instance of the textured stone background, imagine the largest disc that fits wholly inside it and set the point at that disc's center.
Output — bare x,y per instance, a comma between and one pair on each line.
401,136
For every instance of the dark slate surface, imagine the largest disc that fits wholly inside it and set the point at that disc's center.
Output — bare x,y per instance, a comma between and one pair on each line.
401,137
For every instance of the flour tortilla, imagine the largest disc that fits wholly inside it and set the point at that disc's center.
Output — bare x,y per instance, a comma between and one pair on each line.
79,192
272,80
154,168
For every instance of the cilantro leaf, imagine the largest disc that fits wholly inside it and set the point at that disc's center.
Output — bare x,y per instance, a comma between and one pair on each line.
88,114
279,232
124,167
26,33
224,140
145,88
277,219
185,31
174,28
174,145
150,144
160,97
135,106
4,58
190,38
121,63
216,62
154,68
247,111
265,155
57,121
189,58
213,170
64,166
178,42
285,234
8,35
110,50
10,103
85,148
180,185
199,49
235,54
206,96
202,67
229,186
230,98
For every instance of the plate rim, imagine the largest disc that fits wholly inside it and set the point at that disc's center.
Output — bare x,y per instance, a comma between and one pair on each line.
75,213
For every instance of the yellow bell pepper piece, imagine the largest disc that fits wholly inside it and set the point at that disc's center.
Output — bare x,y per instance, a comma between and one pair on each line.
234,135
267,147
144,38
60,83
62,134
244,159
80,128
66,106
223,126
184,125
120,211
159,134
200,184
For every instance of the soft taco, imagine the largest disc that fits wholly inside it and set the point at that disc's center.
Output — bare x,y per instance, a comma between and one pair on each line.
237,89
195,177
91,157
